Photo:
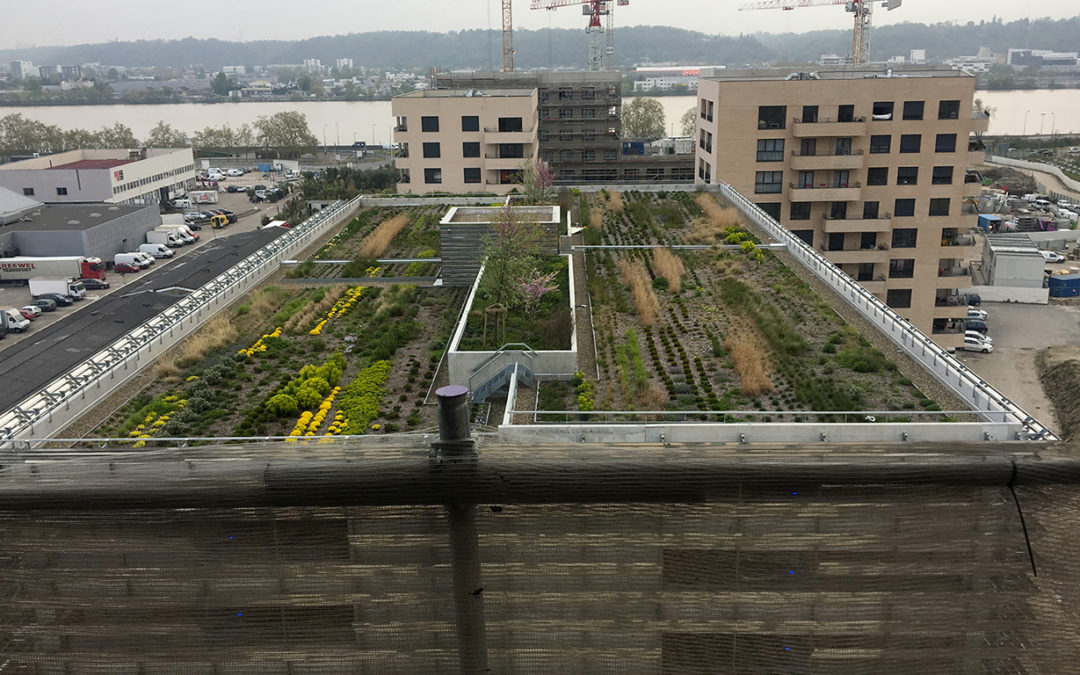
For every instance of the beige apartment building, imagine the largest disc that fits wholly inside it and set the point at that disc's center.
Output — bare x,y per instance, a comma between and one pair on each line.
464,140
867,166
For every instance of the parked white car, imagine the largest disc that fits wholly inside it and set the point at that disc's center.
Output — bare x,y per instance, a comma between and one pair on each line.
974,344
979,336
1052,256
234,172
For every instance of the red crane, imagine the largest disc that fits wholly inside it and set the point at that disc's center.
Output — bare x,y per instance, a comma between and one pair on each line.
594,9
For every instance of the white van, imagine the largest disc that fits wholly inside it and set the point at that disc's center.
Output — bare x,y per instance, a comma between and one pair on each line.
15,321
156,250
132,259
1052,256
145,257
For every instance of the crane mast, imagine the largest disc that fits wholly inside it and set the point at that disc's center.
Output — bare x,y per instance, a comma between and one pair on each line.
601,57
507,37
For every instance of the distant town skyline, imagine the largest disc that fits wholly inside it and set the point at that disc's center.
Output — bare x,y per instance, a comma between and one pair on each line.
67,22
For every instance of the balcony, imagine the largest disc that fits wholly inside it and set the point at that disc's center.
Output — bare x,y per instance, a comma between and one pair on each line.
494,161
954,272
801,162
831,225
824,193
959,240
856,127
856,256
947,326
493,135
980,122
401,127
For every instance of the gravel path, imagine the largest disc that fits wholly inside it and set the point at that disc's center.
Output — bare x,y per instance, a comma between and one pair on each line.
583,315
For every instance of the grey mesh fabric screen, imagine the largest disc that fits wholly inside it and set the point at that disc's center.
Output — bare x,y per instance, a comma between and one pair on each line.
538,560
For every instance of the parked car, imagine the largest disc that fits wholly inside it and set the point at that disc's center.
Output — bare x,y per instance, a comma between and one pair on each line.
60,300
44,304
974,344
977,334
1052,256
977,314
234,172
125,268
235,188
30,311
181,203
976,325
94,284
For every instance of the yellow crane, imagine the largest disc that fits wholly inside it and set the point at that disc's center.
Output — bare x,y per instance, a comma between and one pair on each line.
862,10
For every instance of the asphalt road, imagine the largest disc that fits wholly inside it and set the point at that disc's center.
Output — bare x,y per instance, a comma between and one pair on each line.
54,350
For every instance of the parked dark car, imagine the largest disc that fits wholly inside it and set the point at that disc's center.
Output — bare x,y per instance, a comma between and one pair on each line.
230,215
45,304
125,268
60,300
975,324
94,284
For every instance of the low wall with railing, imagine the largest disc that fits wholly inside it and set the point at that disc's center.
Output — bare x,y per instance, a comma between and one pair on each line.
1036,166
462,364
65,398
966,384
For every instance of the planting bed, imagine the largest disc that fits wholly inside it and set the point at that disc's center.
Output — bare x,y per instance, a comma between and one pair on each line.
716,329
301,361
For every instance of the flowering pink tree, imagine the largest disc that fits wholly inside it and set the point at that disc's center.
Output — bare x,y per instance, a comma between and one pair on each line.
534,289
538,178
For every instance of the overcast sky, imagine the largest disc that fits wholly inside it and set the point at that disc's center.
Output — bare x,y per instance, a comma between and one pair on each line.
66,22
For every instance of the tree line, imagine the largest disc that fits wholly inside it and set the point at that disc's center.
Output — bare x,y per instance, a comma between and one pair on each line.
559,47
286,133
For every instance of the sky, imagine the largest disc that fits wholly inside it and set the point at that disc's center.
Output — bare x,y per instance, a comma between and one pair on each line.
67,22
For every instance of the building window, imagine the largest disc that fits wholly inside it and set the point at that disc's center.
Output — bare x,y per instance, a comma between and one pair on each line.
910,143
432,175
806,179
809,113
565,113
805,235
948,110
800,211
588,135
902,268
610,155
429,123
883,110
898,298
878,175
510,124
28,192
880,144
431,150
588,94
566,155
939,206
845,113
907,175
566,94
566,135
588,155
470,149
588,113
870,210
470,123
945,143
771,116
61,191
913,110
904,237
770,150
771,208
768,182
942,175
904,208
472,175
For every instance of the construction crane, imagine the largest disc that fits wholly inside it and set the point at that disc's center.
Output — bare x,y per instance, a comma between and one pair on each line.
594,9
508,37
863,11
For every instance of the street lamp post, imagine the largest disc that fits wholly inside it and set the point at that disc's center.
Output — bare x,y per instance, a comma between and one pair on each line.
337,130
1025,122
372,133
324,138
1053,124
1041,121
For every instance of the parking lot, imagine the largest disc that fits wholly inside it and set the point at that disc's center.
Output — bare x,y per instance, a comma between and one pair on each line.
250,219
1019,332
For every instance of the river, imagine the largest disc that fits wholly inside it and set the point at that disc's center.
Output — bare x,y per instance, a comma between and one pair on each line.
344,122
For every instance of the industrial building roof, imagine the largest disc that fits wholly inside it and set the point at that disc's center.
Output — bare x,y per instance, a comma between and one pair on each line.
14,205
845,73
71,217
93,164
466,93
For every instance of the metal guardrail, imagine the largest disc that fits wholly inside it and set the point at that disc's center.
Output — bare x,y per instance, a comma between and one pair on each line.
496,364
980,395
66,397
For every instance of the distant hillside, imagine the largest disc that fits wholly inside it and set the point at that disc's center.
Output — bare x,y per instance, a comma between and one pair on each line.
565,47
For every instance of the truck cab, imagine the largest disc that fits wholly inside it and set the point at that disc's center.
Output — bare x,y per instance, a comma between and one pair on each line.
14,321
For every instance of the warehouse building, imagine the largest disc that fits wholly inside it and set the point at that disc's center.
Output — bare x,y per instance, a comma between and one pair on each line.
91,230
116,176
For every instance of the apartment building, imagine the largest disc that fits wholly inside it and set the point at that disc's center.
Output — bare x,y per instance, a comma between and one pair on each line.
464,140
578,116
867,166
